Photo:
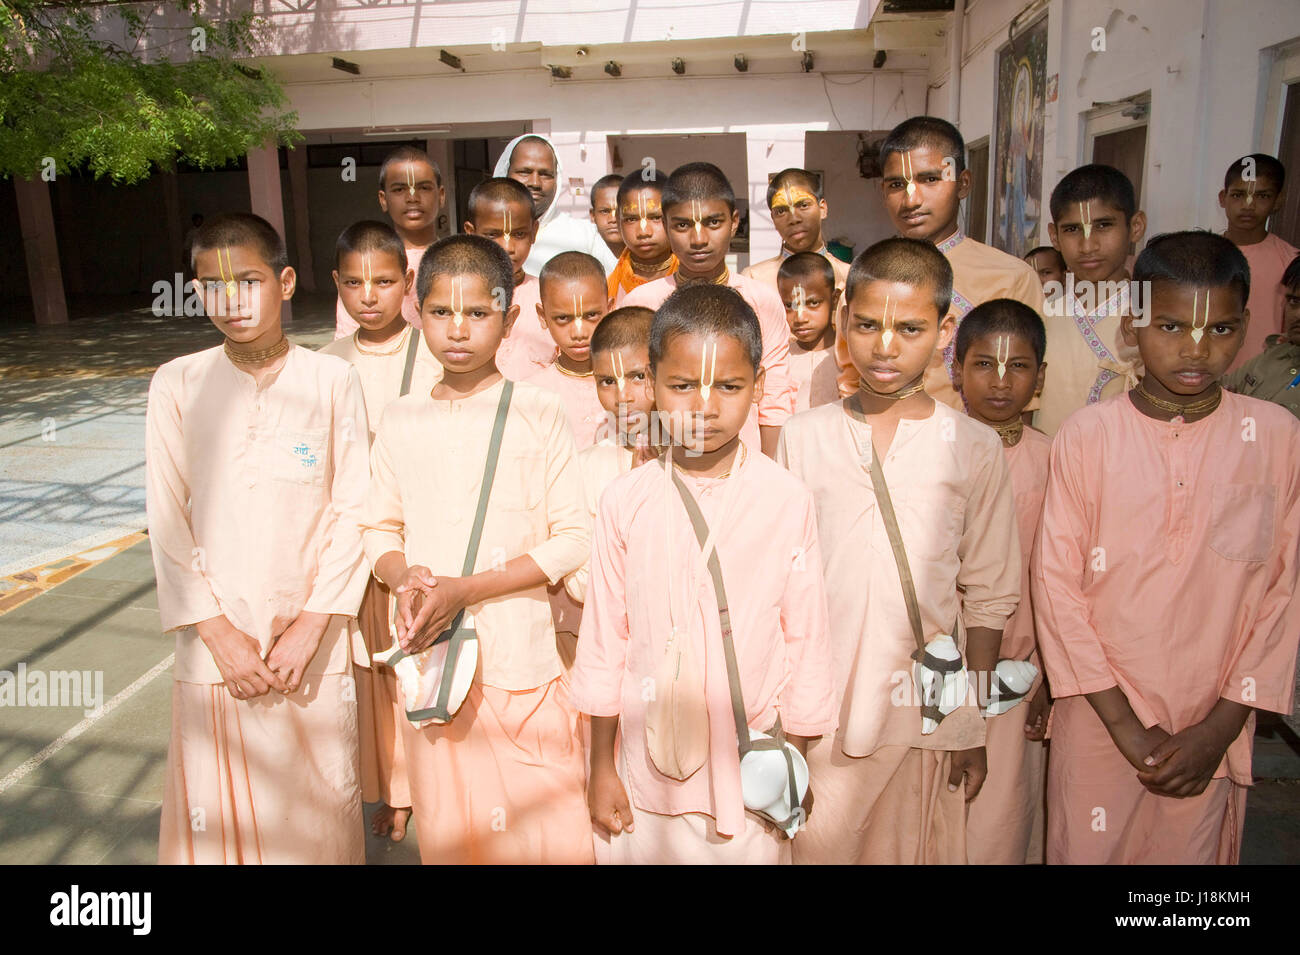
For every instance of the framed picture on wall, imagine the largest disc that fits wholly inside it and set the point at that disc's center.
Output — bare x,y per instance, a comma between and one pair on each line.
1020,98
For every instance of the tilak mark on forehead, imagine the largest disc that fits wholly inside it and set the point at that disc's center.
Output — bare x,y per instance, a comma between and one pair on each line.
706,385
697,213
410,176
800,299
620,374
1199,330
1085,218
887,323
457,307
1003,341
909,173
223,268
577,313
367,273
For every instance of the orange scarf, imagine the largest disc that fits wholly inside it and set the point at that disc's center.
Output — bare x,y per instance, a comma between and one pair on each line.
624,278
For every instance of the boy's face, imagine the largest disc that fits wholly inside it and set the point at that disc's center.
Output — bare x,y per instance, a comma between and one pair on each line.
604,212
411,196
241,291
1097,253
621,384
930,212
1047,267
1291,315
892,331
703,388
371,286
699,233
570,309
1249,204
809,305
1178,363
533,164
462,324
510,225
993,396
797,215
641,223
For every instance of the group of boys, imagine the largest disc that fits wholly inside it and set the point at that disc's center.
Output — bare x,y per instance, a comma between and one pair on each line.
722,543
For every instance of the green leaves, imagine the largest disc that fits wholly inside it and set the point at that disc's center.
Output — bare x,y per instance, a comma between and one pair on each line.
119,90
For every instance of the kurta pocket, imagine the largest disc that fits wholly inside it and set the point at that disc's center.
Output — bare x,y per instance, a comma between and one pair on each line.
1241,520
300,454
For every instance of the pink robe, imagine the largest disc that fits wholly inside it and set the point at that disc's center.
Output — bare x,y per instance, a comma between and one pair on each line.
1005,823
777,401
345,324
529,347
1268,260
776,597
1166,566
586,416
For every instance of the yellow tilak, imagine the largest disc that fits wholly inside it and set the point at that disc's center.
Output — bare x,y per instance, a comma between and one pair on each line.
706,387
620,375
909,171
223,268
1250,193
696,213
640,202
506,211
1085,217
887,323
410,176
367,274
457,309
800,298
1199,330
577,313
1002,360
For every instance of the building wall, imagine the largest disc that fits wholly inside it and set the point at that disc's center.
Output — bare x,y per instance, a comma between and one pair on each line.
1206,96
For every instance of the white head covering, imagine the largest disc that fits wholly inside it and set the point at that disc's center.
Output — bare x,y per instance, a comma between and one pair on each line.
557,233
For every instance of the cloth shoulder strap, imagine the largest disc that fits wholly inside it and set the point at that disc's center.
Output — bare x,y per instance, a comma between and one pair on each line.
489,473
724,615
412,347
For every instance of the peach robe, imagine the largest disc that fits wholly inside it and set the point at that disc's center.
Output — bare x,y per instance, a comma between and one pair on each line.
1085,357
345,324
951,491
772,568
529,347
1166,566
777,401
1006,822
379,708
253,498
504,780
1267,260
814,375
980,273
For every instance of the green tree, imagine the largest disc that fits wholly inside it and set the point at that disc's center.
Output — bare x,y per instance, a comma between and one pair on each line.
120,89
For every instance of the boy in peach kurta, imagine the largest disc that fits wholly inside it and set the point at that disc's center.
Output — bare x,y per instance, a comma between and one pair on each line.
374,283
647,254
798,208
885,792
999,366
411,194
643,564
502,781
255,477
810,295
1165,582
699,207
923,161
1095,224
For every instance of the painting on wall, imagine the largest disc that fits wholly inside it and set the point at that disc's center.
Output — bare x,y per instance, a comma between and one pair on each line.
1018,172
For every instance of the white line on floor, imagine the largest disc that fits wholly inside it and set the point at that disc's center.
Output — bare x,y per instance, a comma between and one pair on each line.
17,775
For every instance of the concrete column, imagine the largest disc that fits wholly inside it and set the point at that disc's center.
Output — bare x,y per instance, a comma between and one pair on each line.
265,197
41,247
301,219
443,152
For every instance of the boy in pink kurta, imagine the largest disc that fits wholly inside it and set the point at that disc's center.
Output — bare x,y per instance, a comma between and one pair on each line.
999,366
502,210
700,208
643,564
1252,190
411,193
573,303
374,283
795,200
502,781
886,793
807,286
1165,582
255,478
